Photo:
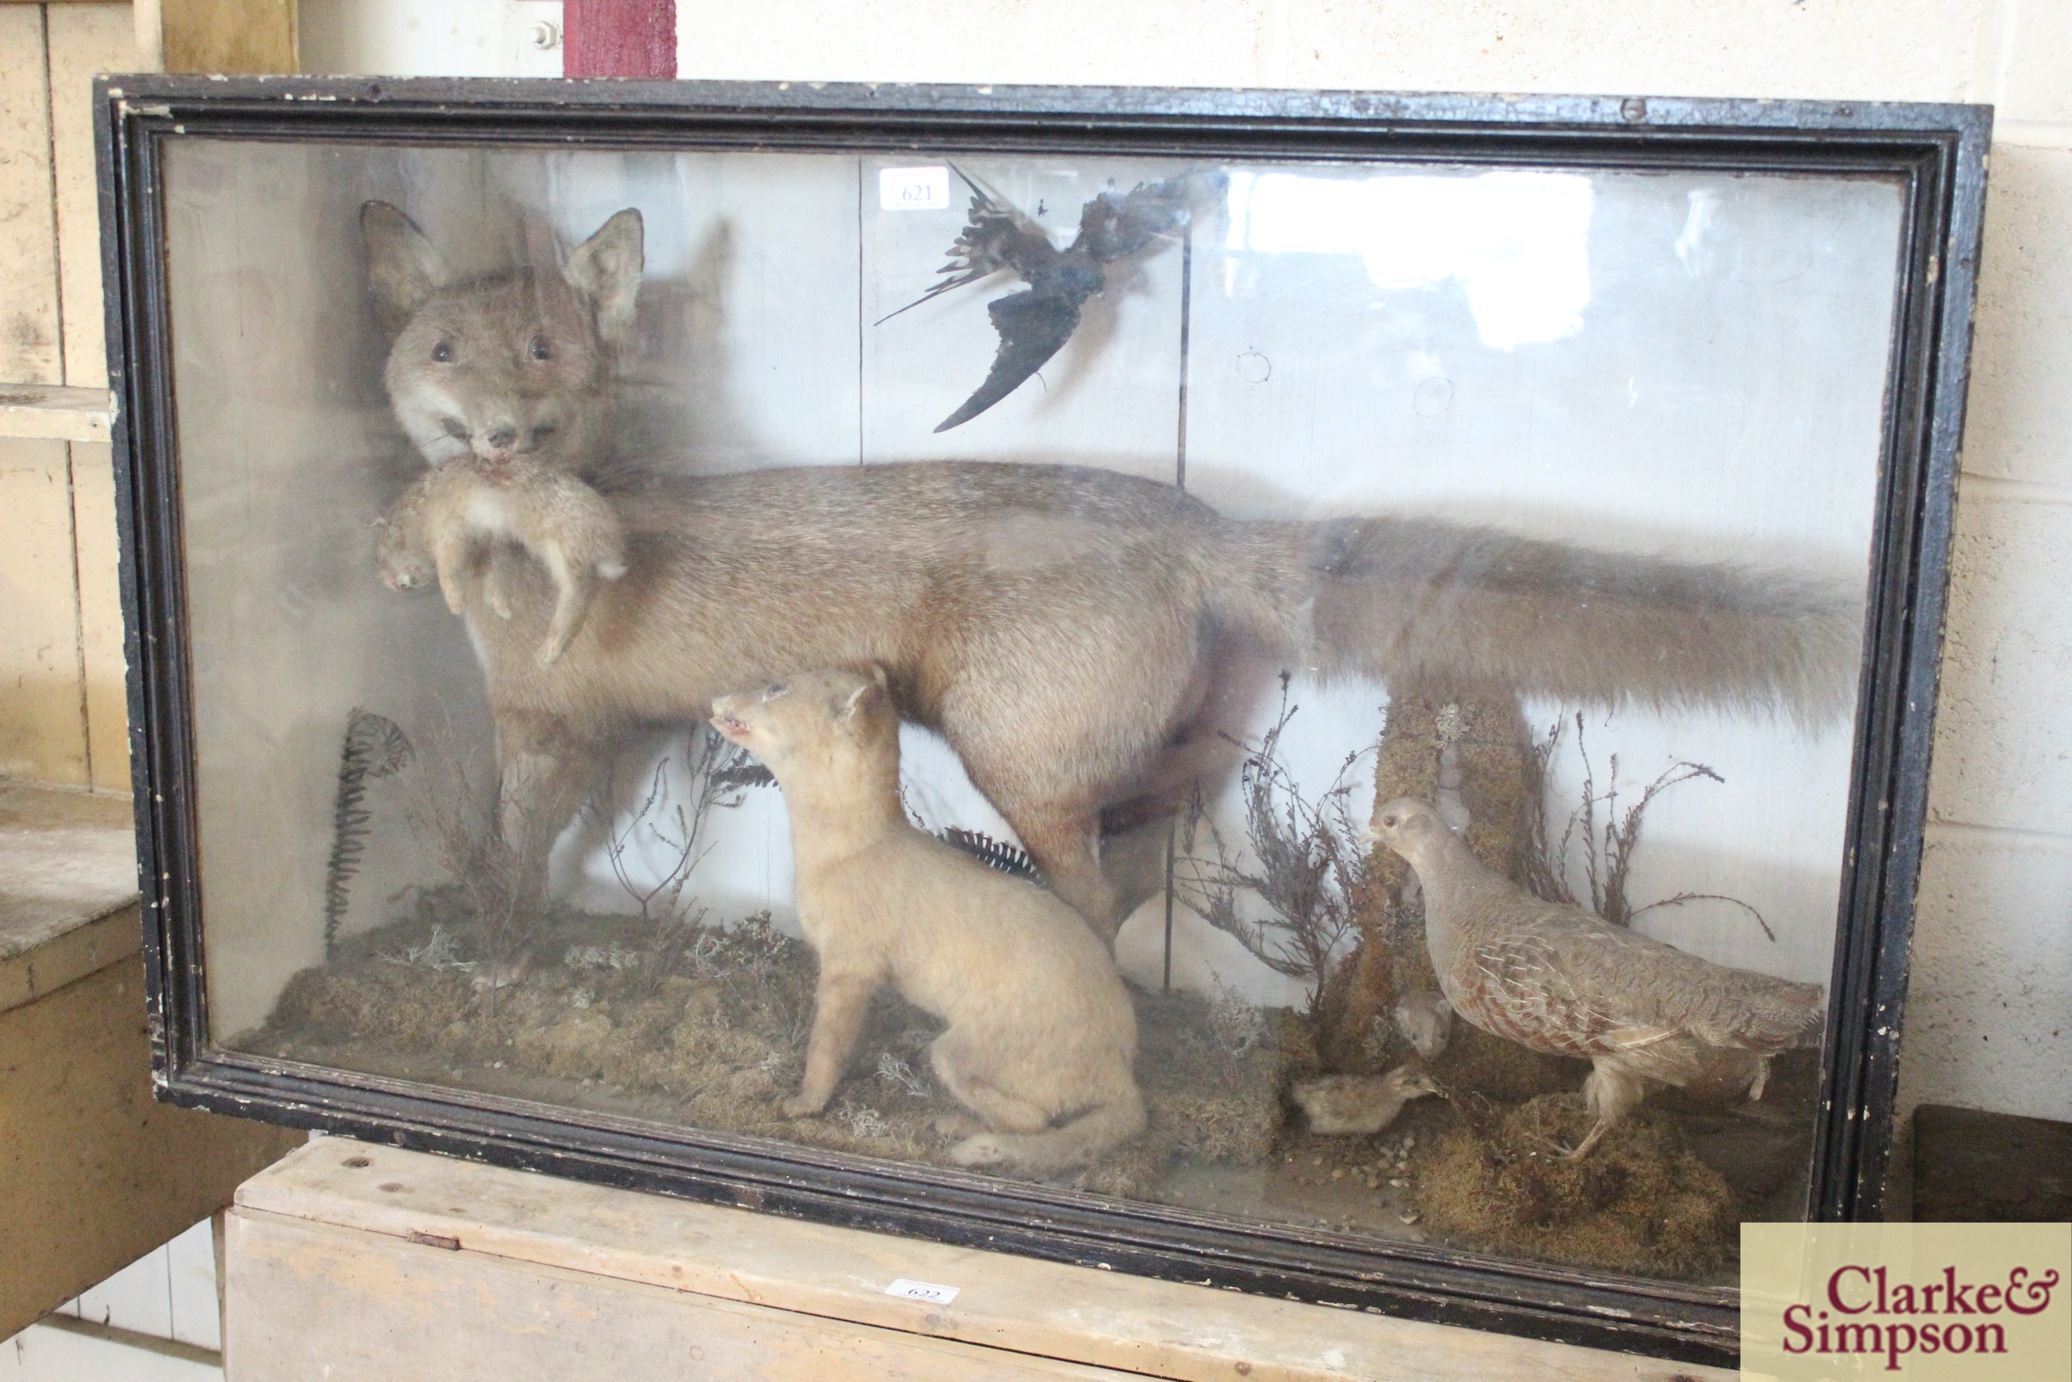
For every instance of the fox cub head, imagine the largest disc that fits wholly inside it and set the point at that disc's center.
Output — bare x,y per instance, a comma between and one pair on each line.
514,363
834,727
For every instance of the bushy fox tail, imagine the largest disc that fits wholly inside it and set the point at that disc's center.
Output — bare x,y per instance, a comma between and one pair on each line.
1425,601
1078,1142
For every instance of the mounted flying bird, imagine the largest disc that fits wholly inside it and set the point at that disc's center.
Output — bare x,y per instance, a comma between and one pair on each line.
1034,324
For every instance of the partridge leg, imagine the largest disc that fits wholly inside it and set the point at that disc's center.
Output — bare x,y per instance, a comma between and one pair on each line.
1611,1094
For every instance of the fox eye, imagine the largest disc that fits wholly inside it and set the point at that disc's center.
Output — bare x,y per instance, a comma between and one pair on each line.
541,348
774,690
1389,821
454,427
443,352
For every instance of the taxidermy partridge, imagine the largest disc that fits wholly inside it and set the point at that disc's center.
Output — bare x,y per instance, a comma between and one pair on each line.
1559,979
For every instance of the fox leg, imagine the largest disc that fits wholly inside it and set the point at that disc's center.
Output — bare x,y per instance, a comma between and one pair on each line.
544,774
840,1004
1065,843
969,1087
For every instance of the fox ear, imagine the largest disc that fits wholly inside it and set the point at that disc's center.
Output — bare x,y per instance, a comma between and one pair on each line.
402,267
862,694
606,269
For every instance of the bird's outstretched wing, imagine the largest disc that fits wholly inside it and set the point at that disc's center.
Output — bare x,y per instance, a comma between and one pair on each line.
995,237
1033,326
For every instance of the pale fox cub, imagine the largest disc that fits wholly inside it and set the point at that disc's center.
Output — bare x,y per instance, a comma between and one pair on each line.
447,523
1041,1034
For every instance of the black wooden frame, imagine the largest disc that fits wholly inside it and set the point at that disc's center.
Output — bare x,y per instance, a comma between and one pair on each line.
1938,153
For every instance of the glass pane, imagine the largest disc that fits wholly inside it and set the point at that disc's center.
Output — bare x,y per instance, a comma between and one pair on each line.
1098,601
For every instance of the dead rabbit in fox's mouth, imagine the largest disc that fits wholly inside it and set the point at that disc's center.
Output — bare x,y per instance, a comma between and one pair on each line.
504,384
1065,628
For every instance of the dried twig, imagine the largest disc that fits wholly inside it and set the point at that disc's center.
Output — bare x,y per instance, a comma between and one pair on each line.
1608,847
453,811
716,772
1310,865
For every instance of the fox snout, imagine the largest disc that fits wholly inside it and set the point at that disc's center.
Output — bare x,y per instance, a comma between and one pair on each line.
730,724
503,441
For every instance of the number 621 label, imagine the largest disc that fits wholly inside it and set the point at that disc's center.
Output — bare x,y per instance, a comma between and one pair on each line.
922,1290
914,189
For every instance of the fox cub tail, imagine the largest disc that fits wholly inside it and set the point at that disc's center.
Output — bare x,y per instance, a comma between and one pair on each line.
1076,1143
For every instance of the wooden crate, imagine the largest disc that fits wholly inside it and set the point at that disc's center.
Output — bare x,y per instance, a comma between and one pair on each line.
350,1261
93,1172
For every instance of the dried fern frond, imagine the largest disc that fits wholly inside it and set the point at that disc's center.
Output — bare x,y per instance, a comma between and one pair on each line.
375,746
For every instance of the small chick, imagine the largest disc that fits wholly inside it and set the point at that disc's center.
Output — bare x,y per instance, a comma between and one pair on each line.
1361,1103
443,523
1559,979
1426,1021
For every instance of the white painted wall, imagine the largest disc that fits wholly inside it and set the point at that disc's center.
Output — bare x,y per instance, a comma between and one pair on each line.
442,38
1990,1024
168,1295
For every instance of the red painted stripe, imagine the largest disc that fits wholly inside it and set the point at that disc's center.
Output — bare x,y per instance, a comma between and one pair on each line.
618,38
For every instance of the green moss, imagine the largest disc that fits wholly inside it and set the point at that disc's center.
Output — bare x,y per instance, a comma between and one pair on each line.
716,1039
1640,1202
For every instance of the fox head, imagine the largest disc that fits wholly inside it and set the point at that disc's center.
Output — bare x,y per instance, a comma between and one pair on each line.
514,363
817,728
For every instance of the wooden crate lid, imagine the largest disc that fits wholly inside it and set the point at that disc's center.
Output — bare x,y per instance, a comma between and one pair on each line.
1030,1307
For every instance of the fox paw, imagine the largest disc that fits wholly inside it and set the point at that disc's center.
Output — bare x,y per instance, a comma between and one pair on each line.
799,1106
983,1150
957,1125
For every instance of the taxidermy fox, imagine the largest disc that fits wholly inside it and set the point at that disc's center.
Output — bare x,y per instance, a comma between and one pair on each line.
446,523
1069,630
1040,1030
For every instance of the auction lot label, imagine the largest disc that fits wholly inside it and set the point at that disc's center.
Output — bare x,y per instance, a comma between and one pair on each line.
1854,1302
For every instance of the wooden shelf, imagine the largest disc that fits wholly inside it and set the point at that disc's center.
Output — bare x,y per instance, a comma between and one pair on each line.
52,412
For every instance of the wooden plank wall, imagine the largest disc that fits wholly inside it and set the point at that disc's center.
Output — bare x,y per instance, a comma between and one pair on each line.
61,673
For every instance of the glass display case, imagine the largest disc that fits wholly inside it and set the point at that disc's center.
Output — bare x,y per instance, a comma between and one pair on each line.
1328,693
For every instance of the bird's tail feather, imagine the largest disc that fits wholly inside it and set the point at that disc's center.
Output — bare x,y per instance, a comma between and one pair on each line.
1421,600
